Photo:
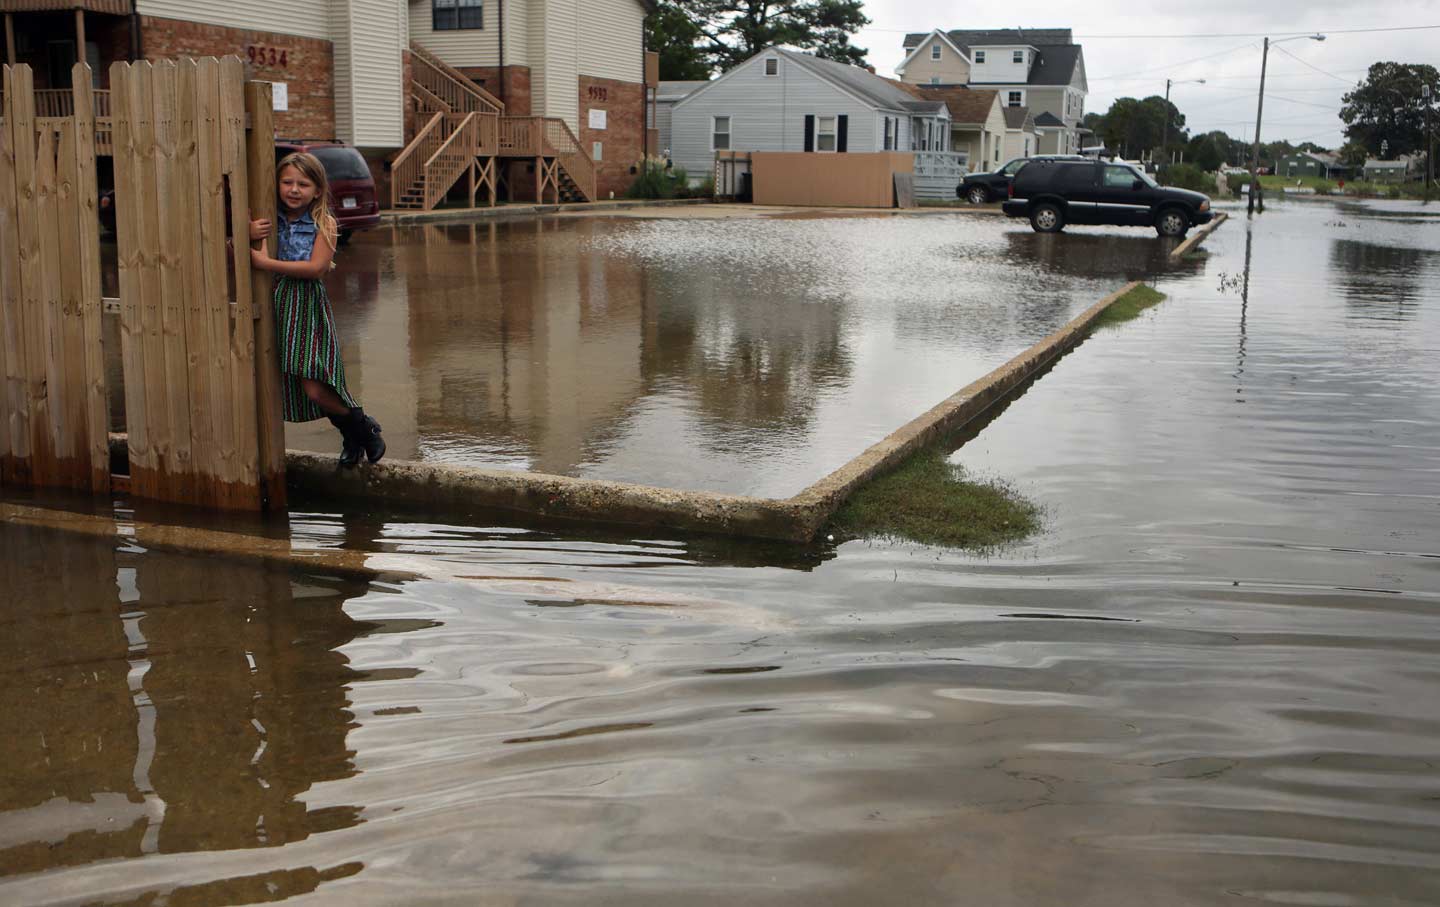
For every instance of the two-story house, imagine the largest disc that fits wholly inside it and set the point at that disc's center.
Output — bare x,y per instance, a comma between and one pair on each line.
1042,70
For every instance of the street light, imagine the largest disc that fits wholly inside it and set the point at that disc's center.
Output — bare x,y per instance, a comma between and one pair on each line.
1429,176
1165,140
1259,110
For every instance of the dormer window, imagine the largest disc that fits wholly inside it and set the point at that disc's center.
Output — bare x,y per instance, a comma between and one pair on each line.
772,66
1018,57
934,51
979,56
1016,99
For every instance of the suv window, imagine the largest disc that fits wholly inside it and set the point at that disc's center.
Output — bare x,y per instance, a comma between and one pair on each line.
1119,177
1075,176
1014,166
342,163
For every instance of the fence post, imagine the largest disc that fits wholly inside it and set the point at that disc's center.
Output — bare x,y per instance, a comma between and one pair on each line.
260,162
97,399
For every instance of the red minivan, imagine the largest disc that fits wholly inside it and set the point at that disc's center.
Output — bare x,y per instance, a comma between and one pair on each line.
352,188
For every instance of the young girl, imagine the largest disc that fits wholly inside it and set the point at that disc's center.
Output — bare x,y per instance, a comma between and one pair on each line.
313,377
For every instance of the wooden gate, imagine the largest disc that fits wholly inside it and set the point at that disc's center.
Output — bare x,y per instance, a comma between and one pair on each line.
197,348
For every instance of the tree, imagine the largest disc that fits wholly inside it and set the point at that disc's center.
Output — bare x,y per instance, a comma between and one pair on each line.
1387,107
670,32
1353,154
733,31
1208,151
1133,127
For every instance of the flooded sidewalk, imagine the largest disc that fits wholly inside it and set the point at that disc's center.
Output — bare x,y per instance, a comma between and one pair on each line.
1210,680
749,357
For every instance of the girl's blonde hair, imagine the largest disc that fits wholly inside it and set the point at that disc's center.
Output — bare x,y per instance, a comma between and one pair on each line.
311,168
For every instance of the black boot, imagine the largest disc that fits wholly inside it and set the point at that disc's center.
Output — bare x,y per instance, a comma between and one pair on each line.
365,433
349,448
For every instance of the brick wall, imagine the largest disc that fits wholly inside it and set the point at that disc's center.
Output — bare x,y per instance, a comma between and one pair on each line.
309,69
517,86
623,136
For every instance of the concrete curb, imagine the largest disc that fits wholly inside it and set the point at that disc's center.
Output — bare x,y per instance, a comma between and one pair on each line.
1198,236
470,215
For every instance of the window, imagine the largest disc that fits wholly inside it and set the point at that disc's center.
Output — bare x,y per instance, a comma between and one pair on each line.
1119,177
824,133
772,66
1016,99
448,15
934,51
979,56
1018,57
934,80
720,134
889,135
1027,146
1078,176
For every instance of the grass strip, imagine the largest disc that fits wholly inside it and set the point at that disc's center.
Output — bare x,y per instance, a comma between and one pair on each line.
929,500
1128,307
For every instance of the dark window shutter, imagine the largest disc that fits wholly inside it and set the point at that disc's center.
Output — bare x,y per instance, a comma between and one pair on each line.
809,132
841,131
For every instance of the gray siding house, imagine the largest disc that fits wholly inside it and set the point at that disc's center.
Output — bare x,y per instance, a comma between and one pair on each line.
783,100
666,97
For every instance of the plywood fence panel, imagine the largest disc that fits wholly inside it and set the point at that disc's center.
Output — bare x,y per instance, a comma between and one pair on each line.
14,436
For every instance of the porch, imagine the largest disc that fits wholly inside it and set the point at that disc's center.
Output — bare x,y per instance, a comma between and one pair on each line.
937,173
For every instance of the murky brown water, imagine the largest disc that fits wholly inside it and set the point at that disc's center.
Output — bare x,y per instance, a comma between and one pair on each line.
1212,680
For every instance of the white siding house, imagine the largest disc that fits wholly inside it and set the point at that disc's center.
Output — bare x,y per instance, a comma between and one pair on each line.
782,100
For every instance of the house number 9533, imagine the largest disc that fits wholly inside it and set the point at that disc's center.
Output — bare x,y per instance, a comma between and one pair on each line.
597,93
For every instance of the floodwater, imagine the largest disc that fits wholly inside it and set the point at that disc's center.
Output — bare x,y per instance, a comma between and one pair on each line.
1212,679
748,356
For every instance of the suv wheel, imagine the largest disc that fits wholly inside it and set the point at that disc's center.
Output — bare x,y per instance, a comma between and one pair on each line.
977,195
1172,222
1047,218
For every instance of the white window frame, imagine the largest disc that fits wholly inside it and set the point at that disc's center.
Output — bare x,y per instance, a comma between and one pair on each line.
834,132
934,80
1010,97
772,63
935,51
979,56
1017,56
729,132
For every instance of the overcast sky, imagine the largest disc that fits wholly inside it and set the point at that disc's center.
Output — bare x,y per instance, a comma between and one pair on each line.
1301,104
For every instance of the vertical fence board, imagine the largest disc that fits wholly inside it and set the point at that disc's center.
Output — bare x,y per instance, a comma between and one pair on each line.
215,266
9,289
242,337
147,201
47,343
67,387
170,248
32,279
92,352
127,225
186,213
260,157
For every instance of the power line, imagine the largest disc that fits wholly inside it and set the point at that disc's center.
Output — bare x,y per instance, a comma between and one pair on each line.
1316,68
1283,34
1169,66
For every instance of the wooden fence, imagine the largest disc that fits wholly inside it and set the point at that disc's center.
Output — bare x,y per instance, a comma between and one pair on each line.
197,347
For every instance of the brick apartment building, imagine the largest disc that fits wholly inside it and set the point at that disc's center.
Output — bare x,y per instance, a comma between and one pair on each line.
345,64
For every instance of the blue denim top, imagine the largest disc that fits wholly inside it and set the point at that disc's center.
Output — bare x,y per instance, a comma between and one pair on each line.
297,237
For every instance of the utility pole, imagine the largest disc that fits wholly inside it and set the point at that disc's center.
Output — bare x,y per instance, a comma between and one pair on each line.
1260,110
1429,143
1165,140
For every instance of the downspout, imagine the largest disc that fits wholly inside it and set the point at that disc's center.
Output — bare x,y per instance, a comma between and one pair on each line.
137,49
501,78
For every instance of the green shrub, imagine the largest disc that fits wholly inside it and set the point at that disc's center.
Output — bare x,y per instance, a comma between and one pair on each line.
654,181
1393,192
1324,187
1187,176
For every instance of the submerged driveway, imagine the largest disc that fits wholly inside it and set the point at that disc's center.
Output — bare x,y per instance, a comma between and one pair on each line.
743,356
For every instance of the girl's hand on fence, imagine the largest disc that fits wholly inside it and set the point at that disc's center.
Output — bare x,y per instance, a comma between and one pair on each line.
259,229
259,258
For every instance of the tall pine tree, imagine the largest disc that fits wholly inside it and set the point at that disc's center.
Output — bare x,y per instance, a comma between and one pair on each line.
728,32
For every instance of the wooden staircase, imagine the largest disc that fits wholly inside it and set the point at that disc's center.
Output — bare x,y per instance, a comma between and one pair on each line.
459,131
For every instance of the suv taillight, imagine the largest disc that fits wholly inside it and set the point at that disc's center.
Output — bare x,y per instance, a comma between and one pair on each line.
1010,190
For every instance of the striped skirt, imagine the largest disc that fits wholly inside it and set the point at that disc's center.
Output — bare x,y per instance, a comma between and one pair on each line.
309,347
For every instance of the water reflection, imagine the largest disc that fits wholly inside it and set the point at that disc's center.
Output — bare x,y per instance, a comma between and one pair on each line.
735,356
163,704
1382,281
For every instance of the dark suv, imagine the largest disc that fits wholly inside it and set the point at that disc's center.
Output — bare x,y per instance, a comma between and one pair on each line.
979,188
1055,193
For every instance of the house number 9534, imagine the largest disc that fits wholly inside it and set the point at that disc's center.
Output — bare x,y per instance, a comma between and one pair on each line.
264,55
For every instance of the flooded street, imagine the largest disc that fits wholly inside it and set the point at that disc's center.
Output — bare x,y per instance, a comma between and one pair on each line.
1210,680
743,356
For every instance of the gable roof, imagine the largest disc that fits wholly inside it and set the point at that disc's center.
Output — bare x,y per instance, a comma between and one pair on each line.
999,37
873,89
968,106
675,90
1048,119
921,44
1018,118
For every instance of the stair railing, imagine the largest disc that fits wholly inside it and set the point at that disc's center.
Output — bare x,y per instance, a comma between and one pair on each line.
409,166
449,84
562,144
519,136
448,161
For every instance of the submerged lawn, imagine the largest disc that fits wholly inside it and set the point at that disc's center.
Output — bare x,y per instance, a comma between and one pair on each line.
929,500
1128,307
